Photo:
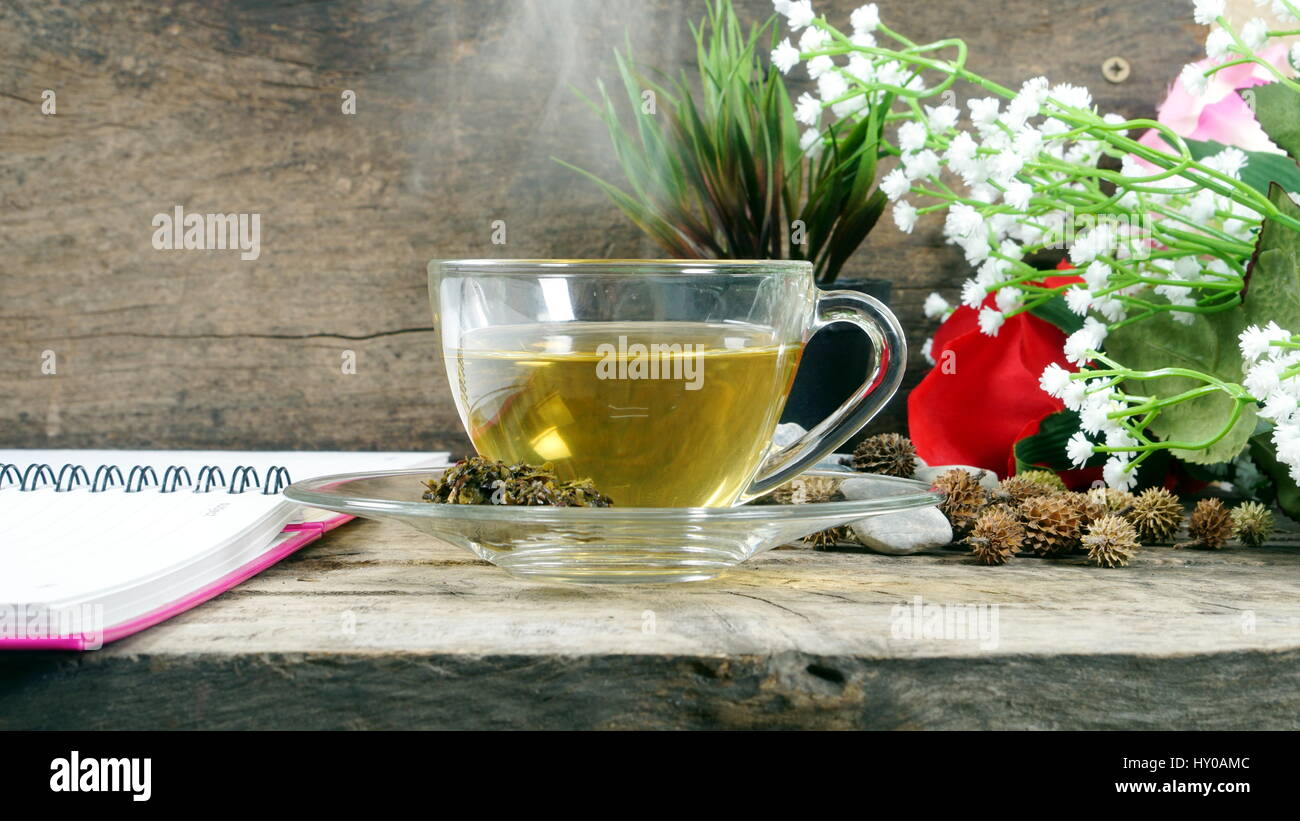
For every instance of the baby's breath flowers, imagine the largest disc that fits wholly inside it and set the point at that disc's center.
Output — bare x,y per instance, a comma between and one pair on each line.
1018,171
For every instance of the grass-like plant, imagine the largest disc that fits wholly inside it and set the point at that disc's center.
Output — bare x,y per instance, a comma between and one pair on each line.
717,169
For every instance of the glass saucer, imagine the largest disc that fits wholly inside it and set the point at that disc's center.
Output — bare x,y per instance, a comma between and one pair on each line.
601,545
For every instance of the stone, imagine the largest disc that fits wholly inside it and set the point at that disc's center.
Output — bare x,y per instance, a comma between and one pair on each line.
787,433
905,532
988,479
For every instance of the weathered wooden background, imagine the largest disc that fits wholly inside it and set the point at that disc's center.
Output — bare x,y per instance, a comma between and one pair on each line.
235,106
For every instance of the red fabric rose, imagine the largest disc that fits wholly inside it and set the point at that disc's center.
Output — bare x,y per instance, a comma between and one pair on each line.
983,396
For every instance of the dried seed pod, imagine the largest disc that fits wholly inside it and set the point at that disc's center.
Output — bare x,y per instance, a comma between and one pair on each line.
1156,514
480,481
997,536
802,490
1252,523
889,454
831,536
1089,508
1110,541
1210,525
1052,524
964,498
1113,499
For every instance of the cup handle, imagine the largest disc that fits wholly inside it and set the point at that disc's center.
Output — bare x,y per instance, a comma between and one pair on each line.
886,372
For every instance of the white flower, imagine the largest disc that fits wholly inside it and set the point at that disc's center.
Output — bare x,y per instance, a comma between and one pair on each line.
1230,161
1218,43
1078,300
1029,141
895,184
782,6
1263,379
922,164
861,69
1280,407
1074,395
1008,299
1072,96
811,143
813,39
926,348
863,39
808,109
1007,165
963,220
991,321
904,216
972,294
832,86
1194,79
1054,380
983,112
1204,11
865,18
936,306
1254,34
1255,341
1018,195
942,117
799,12
1096,276
961,151
785,56
911,136
821,66
1087,338
1079,449
1115,472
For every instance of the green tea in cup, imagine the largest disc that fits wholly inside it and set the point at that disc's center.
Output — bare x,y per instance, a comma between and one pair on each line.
660,381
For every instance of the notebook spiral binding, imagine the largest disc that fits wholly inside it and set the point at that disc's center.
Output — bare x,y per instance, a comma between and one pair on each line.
210,477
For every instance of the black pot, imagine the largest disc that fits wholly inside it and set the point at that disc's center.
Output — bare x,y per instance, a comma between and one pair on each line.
834,364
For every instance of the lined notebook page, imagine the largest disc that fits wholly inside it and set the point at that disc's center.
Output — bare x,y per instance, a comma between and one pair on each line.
132,552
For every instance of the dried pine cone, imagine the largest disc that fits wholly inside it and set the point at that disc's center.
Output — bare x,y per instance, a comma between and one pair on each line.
802,490
1016,489
997,536
1052,524
965,498
1209,526
1089,508
1252,523
1110,541
1114,499
889,454
1156,514
831,536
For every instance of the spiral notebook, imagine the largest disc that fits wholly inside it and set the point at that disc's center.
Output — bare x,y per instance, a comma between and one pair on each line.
97,545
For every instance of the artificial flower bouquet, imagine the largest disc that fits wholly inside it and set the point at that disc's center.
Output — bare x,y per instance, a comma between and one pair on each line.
1172,329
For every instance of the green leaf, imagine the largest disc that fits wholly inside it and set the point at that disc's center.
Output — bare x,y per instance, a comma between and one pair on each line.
1277,107
1262,168
1046,449
1058,313
1208,345
1265,456
1273,279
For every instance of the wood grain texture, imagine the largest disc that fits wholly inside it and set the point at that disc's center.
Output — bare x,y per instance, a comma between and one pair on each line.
378,626
234,106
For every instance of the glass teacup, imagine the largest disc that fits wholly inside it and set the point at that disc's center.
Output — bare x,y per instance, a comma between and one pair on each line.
662,381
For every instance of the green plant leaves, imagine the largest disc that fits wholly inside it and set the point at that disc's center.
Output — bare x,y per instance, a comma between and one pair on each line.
1273,279
1208,345
717,170
1046,449
1277,107
1059,314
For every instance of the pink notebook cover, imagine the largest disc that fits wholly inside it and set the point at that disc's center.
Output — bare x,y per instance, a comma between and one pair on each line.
305,533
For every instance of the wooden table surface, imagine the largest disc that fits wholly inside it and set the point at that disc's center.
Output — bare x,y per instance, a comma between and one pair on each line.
378,626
